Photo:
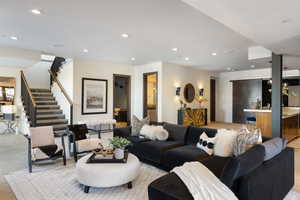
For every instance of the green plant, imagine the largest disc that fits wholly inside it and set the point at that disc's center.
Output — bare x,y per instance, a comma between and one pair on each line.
119,142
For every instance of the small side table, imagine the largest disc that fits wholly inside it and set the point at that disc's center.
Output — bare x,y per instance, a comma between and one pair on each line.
10,126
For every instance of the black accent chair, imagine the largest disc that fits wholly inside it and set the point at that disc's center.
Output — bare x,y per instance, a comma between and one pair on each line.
42,147
80,140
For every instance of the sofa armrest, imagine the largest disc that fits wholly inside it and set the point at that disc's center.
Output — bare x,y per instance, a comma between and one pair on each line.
122,132
243,164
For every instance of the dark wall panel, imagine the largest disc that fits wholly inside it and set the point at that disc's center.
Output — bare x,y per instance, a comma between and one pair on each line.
245,95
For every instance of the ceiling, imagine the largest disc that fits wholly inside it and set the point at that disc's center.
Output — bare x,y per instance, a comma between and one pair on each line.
272,24
67,27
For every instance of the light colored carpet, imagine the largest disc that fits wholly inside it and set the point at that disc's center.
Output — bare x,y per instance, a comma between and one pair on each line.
60,183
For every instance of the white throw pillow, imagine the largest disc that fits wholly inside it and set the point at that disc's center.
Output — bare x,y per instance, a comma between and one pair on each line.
149,132
224,142
154,132
161,133
206,143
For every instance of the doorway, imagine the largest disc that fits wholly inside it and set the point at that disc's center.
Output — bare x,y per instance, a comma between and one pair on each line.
121,99
150,96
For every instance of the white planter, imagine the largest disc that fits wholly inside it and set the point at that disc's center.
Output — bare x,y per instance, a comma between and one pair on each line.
119,153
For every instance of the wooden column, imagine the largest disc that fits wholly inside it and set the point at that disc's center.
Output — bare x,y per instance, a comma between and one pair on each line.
276,95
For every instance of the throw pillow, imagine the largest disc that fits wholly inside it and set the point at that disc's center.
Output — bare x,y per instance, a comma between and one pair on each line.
148,132
224,142
137,125
273,147
206,143
154,133
246,140
161,133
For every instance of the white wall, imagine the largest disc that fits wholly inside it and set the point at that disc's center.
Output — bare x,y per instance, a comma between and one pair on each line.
177,75
66,78
100,70
224,88
38,76
138,87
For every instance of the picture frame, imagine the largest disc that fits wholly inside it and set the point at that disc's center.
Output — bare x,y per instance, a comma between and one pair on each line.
94,96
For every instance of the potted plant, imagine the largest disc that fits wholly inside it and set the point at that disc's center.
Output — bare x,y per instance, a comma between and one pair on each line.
119,145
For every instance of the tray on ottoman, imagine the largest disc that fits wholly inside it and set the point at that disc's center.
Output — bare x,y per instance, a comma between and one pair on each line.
94,160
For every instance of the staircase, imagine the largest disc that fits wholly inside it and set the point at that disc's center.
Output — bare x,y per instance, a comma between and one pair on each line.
48,112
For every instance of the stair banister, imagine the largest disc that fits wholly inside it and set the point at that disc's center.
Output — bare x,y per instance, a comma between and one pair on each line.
64,93
28,99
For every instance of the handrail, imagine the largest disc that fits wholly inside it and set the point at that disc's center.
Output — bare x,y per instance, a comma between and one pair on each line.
61,87
27,88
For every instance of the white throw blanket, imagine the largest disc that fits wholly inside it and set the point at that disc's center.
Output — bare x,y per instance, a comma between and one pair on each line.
202,183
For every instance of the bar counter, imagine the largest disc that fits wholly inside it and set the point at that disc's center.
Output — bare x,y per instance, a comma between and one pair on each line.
290,117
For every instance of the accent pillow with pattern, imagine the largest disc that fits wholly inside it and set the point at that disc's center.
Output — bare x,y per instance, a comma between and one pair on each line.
245,140
206,143
137,125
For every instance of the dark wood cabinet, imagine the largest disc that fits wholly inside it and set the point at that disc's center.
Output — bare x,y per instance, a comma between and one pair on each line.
245,95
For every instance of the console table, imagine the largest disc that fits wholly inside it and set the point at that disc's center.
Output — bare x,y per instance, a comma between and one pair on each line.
194,117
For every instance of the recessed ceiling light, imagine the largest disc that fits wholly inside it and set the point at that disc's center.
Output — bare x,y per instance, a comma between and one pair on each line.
125,35
58,45
85,50
229,69
14,37
252,66
36,12
214,54
133,59
175,49
285,21
187,58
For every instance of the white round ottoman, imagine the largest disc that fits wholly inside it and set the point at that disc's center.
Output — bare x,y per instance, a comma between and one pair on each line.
107,174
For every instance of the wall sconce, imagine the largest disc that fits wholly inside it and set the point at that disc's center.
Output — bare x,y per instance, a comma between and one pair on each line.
201,92
178,91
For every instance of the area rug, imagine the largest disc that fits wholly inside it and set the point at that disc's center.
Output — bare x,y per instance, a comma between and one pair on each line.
59,183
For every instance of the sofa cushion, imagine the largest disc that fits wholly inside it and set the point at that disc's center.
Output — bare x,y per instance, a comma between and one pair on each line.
193,134
137,139
169,187
178,156
153,150
176,132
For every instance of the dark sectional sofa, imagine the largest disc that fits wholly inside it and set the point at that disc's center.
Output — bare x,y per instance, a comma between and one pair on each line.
248,175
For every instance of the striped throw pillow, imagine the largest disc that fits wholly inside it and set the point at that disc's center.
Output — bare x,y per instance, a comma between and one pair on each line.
245,140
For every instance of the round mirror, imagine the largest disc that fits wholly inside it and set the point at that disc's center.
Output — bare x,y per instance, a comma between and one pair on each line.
189,93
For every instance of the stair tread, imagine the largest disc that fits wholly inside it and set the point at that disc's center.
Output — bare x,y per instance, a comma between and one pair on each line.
47,106
48,110
50,115
51,120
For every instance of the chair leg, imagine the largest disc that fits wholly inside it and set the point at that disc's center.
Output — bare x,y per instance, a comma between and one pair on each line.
29,157
64,159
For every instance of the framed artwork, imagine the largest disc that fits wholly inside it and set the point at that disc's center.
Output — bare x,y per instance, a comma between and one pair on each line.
94,96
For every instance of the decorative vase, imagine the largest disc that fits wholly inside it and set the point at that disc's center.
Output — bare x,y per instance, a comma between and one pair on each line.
119,153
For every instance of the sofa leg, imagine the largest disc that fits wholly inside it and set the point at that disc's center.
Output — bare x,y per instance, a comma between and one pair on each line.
129,185
86,189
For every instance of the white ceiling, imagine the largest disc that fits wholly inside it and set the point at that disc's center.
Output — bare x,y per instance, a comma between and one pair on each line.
67,27
271,23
